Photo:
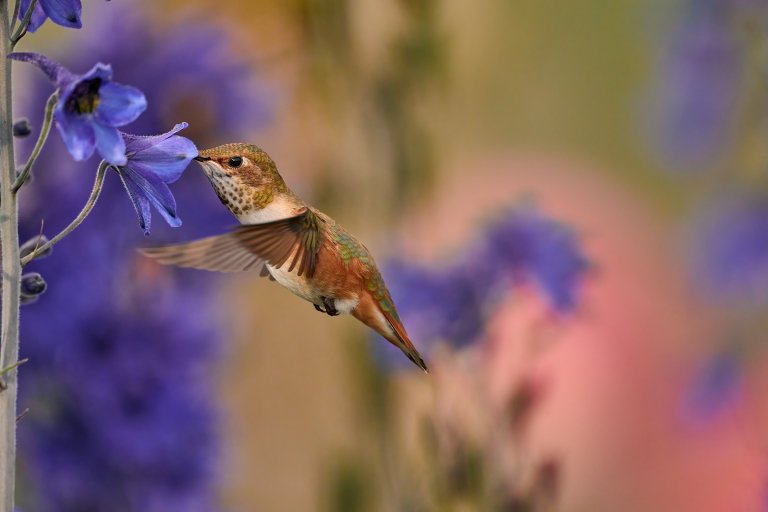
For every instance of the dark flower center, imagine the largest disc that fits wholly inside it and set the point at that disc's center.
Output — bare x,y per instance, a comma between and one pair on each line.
85,98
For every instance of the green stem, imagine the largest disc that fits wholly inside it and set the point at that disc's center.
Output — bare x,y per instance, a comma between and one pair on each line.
11,273
22,28
15,17
97,184
44,131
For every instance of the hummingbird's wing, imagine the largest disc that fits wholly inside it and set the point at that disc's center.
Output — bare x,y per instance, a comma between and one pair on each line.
298,238
221,253
249,245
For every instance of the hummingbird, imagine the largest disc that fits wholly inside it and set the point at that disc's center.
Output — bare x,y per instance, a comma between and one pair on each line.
290,242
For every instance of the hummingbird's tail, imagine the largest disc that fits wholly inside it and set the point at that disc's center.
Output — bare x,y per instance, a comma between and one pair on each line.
403,342
386,322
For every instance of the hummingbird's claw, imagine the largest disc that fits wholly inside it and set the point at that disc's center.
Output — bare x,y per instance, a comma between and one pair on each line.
318,308
330,306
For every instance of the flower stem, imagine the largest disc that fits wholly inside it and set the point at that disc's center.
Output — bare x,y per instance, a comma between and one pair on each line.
16,7
44,131
22,28
97,184
11,273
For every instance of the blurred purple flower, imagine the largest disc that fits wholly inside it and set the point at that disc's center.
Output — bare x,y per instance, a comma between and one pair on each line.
62,12
702,82
187,71
526,245
730,247
90,108
119,385
453,303
153,162
718,384
119,403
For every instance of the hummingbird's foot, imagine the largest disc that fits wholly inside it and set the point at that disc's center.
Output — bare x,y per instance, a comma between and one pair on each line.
330,306
318,308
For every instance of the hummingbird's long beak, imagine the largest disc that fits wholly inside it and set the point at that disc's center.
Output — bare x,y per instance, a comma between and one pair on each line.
202,158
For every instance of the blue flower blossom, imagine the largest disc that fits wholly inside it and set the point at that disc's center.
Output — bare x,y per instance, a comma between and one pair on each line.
525,244
176,73
123,410
62,12
120,408
152,163
730,248
90,108
702,81
716,386
452,303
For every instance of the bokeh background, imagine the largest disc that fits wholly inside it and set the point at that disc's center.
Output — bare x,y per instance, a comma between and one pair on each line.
568,200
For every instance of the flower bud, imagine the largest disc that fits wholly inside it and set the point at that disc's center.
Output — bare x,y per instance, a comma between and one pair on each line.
22,128
32,285
30,245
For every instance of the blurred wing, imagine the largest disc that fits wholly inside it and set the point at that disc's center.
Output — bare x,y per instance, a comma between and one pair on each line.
247,246
296,238
221,253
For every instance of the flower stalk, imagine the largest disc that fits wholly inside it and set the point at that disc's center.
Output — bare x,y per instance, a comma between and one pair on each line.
11,273
95,192
44,131
22,28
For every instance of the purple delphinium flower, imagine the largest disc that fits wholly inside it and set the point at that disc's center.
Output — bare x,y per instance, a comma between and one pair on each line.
730,248
176,72
524,244
62,12
90,108
122,403
716,386
152,163
453,302
702,79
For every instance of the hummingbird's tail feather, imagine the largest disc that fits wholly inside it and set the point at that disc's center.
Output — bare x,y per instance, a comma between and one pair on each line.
403,342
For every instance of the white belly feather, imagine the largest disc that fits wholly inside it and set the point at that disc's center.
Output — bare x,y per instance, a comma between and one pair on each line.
299,286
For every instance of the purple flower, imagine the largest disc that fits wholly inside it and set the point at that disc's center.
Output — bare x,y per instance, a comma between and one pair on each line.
90,108
123,412
717,386
730,248
452,303
702,80
526,245
152,163
62,12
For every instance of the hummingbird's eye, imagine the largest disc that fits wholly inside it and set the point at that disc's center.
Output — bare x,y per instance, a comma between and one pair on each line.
235,162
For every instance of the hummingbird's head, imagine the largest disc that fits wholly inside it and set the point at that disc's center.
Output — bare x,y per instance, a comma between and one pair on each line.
243,176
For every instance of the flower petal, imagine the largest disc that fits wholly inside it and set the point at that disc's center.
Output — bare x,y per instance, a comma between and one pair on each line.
152,189
136,143
56,73
99,70
119,104
110,144
139,200
38,15
77,133
167,160
63,12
